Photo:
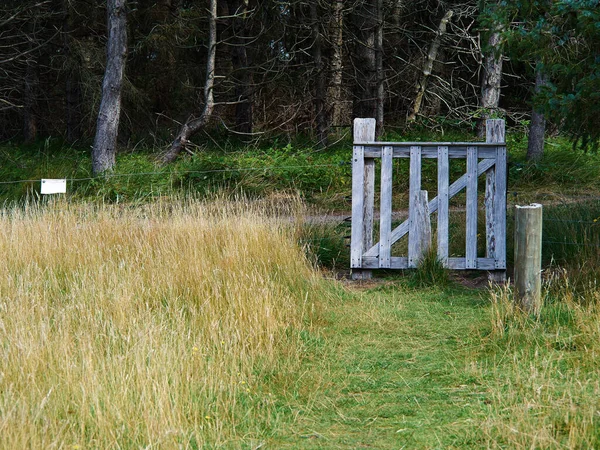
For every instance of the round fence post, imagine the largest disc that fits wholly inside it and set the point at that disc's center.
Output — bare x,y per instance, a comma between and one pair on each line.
528,257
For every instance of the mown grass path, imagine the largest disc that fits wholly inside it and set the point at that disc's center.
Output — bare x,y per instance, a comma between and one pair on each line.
390,370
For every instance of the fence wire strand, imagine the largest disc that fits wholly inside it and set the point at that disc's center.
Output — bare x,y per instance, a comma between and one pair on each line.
239,169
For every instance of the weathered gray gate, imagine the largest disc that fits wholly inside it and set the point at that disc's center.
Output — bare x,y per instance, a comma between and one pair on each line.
487,158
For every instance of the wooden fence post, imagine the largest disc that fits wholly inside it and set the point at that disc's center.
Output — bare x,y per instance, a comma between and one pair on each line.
495,200
364,131
528,257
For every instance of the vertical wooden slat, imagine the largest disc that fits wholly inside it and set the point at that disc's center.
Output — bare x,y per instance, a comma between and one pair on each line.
424,228
385,215
496,200
490,196
471,230
500,212
369,203
494,133
358,176
443,212
364,131
414,193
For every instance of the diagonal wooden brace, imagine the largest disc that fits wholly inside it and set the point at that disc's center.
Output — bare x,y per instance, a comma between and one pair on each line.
460,184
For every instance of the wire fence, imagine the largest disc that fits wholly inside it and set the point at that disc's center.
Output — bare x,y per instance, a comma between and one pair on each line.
201,172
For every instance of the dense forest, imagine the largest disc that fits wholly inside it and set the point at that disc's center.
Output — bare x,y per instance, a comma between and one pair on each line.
164,69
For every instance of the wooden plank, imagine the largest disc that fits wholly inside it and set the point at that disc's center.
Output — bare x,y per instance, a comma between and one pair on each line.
500,209
364,130
369,203
358,178
414,192
471,229
380,144
385,214
481,263
373,150
495,134
442,200
490,232
423,243
400,231
370,262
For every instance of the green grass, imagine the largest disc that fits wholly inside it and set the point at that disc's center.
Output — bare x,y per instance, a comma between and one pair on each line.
322,178
389,372
395,367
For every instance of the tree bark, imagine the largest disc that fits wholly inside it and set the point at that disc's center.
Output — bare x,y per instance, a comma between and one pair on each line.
336,66
379,68
537,126
244,109
192,126
491,83
365,65
30,125
428,67
72,92
107,127
320,78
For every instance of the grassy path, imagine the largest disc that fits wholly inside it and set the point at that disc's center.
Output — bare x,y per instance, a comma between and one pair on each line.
391,371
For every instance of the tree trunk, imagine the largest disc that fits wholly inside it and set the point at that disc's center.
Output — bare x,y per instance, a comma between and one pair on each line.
244,113
365,102
428,67
537,127
379,69
107,128
192,126
72,93
336,66
492,80
320,78
30,126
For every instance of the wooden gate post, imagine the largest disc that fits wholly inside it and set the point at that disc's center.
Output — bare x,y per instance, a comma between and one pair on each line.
528,257
495,202
363,198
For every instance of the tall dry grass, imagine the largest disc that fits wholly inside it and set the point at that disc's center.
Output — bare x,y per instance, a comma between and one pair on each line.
543,373
148,327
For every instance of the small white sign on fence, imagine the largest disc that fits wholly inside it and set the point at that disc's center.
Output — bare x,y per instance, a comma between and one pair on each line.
50,186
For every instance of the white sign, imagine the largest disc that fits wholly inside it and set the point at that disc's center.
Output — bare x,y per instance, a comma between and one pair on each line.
54,186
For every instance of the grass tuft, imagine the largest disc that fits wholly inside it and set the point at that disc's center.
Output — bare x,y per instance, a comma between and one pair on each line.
430,272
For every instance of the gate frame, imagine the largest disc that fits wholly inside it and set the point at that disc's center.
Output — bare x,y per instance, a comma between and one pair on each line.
364,255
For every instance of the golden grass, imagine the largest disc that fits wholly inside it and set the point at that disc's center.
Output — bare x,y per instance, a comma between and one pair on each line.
146,328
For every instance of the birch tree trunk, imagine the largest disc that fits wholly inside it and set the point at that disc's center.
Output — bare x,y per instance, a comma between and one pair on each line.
491,83
537,126
193,125
428,67
107,126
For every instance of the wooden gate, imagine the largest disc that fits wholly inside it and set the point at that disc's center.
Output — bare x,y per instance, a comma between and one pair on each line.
487,158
